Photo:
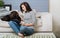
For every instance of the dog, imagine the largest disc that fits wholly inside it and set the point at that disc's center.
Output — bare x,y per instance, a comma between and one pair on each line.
13,16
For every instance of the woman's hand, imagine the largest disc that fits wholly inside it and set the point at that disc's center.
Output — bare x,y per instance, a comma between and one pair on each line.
23,23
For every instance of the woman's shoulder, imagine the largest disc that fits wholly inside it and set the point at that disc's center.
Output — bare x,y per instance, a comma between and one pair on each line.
32,12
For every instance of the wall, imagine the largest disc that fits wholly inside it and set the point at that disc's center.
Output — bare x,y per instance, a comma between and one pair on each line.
55,10
39,5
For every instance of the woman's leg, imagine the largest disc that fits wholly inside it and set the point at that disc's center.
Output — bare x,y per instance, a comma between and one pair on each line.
26,30
29,31
14,26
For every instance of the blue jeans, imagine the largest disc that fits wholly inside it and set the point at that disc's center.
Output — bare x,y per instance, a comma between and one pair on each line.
21,29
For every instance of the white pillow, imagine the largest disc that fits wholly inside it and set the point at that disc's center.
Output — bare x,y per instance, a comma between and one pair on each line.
2,29
4,13
4,24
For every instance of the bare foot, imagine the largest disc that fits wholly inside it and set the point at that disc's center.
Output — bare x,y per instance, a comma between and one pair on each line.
21,35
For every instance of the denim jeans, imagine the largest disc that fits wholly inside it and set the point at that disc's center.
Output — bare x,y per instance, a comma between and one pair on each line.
21,29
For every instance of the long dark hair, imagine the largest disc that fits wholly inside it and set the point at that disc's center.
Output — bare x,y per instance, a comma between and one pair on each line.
28,8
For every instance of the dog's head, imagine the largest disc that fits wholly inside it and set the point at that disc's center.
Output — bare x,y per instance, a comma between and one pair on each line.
5,18
13,15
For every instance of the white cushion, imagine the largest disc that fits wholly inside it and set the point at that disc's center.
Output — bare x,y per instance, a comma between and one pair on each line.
4,24
3,29
46,19
4,13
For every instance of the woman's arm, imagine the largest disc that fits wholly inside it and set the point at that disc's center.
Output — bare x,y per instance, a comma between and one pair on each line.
28,24
25,24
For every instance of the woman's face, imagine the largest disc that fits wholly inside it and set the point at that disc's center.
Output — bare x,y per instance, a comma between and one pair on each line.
23,7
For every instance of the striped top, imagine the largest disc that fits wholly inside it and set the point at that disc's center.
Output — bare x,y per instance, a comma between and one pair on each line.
29,17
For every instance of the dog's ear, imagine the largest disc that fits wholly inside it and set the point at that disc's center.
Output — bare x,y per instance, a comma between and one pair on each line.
6,18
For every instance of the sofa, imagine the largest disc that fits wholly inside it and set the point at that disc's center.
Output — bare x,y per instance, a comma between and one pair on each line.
44,23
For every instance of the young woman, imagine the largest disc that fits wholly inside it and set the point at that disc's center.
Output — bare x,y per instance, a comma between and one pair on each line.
27,23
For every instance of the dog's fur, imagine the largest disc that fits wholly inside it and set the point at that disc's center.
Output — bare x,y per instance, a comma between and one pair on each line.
14,16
